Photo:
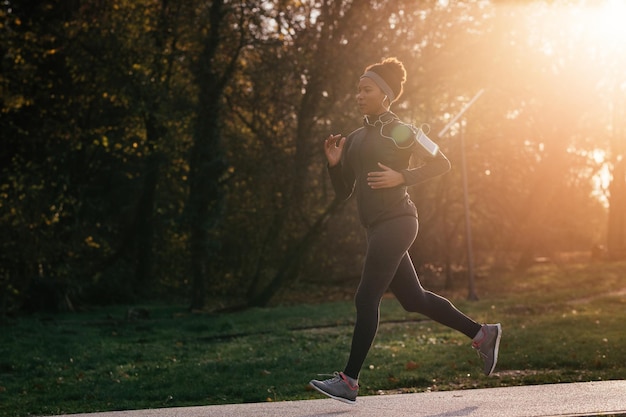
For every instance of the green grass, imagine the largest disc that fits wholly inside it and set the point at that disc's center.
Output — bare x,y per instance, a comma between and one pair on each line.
560,325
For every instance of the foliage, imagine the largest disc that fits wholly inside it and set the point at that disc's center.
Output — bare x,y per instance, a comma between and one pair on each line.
171,149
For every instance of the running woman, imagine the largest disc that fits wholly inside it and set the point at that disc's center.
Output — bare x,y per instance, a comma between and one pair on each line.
373,163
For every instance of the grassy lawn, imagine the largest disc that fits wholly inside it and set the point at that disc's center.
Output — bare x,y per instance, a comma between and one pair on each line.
561,324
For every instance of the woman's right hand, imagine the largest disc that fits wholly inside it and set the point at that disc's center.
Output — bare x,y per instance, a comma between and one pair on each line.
333,148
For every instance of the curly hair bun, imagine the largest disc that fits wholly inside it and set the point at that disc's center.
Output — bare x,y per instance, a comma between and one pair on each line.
392,71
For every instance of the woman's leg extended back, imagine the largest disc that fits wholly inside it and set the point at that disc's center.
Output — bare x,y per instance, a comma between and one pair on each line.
413,297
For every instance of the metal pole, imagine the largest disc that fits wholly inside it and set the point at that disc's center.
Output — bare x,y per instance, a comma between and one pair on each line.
463,110
468,226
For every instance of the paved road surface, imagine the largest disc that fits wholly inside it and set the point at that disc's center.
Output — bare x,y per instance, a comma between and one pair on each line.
602,398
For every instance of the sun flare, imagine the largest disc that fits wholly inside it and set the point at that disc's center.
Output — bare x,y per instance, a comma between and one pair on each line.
602,23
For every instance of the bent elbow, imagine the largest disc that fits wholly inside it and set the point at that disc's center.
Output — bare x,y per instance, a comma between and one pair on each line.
447,166
444,163
343,195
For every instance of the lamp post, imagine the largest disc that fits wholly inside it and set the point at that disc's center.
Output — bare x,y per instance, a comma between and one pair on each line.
468,227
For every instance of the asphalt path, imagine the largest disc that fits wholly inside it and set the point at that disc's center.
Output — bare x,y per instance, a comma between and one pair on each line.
601,398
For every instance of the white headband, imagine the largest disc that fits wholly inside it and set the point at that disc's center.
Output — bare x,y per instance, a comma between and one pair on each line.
380,83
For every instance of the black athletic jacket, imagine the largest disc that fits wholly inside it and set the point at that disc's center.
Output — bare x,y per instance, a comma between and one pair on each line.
364,149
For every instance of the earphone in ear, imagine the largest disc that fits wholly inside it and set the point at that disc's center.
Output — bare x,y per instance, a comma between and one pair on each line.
383,102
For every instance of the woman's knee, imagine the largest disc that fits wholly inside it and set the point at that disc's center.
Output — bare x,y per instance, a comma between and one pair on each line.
364,301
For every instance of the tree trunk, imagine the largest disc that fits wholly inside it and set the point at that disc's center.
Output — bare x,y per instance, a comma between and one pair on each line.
206,197
144,217
616,236
293,257
207,160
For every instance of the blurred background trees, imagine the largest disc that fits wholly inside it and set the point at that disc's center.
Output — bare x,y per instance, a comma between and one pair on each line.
172,150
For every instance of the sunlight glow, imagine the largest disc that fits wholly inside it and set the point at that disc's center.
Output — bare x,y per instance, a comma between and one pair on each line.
598,155
604,23
601,182
602,179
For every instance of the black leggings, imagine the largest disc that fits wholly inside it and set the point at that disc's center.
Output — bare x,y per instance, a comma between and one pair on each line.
388,265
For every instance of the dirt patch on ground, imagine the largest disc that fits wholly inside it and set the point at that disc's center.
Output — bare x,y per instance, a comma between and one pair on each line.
621,293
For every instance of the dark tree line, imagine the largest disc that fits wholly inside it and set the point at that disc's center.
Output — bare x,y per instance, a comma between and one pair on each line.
172,150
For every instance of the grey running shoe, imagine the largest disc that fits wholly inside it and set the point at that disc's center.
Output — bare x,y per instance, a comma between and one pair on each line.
487,343
338,388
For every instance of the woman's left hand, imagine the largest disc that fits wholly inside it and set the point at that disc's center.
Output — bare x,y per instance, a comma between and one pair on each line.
387,178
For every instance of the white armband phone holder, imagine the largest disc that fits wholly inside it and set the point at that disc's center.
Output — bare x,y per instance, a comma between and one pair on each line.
421,137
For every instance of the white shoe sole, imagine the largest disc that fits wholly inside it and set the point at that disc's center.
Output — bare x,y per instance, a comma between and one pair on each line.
496,349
